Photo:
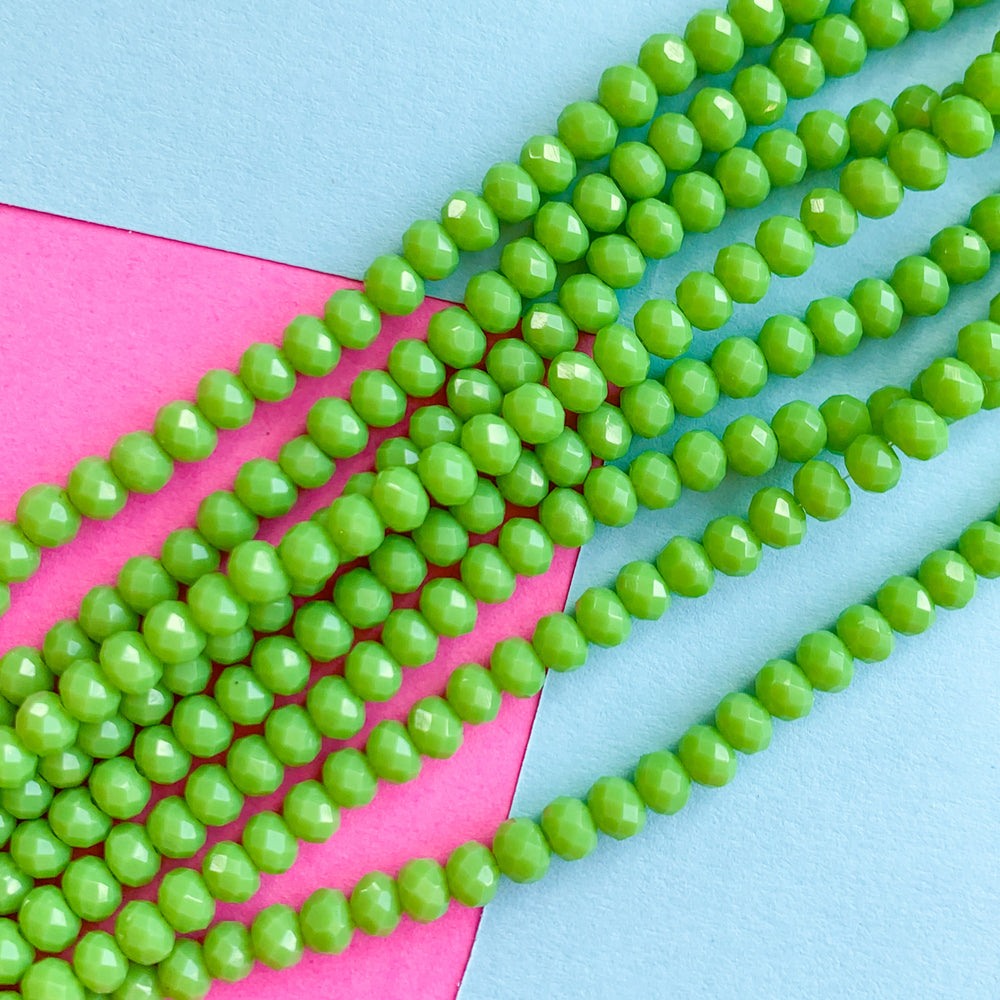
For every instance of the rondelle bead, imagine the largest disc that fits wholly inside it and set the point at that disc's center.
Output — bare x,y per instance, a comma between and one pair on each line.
375,906
493,302
745,724
798,66
921,285
66,642
277,937
743,272
548,330
884,23
821,490
588,302
587,130
948,578
825,660
140,984
423,891
800,430
662,782
325,921
269,843
349,779
105,739
182,974
647,408
131,855
706,756
473,875
393,286
668,62
472,694
309,347
840,43
22,673
871,187
963,126
529,267
829,217
46,921
740,367
184,433
602,617
980,547
788,346
700,459
605,432
642,590
978,347
76,820
224,400
872,127
44,725
160,757
610,496
309,813
952,388
783,156
872,463
549,163
961,253
982,81
292,736
28,801
434,729
186,556
526,546
783,690
559,642
184,900
142,933
698,200
918,160
47,516
470,222
714,40
915,429
16,955
441,540
252,767
750,445
676,141
228,952
140,463
566,517
104,613
616,260
704,300
617,807
516,668
174,830
732,546
628,94
224,521
229,873
569,828
415,369
92,892
906,605
37,851
409,638
600,203
760,93
67,769
685,567
51,977
878,307
566,459
638,170
561,231
743,178
786,245
846,418
865,633
718,118
663,329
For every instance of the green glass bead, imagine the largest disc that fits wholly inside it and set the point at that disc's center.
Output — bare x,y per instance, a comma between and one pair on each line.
434,728
335,708
292,736
336,428
184,900
14,885
561,231
431,424
143,582
140,984
783,156
750,445
740,367
825,661
884,23
47,516
707,757
798,66
447,473
620,355
354,525
952,388
921,285
529,267
351,318
265,371
872,463
349,779
846,418
828,216
230,648
605,432
455,338
981,81
441,540
309,813
600,203
87,694
906,605
308,346
786,245
392,753
228,952
871,187
119,789
692,386
105,739
377,400
914,105
269,843
602,617
561,645
783,690
309,556
160,756
128,663
64,644
423,894
510,191
171,634
569,828
214,606
914,428
210,795
761,22
326,922
638,170
978,347
526,546
800,430
130,855
362,599
201,726
521,851
873,128
280,664
731,546
865,633
398,564
92,892
393,286
224,520
744,723
878,307
980,547
576,382
184,433
840,44
29,800
566,517
409,638
566,460
182,974
548,163
470,222
589,302
173,829
668,62
472,873
76,820
186,556
685,567
229,873
263,488
472,694
776,517
610,496
143,933
616,260
548,330
587,130
19,558
743,272
961,253
655,227
148,708
448,607
788,346
18,762
698,200
642,591
396,453
242,696
140,464
493,302
628,94
536,413
46,921
718,118
918,160
516,667
16,955
760,94
648,410
51,979
662,782
948,578
374,904
491,443
821,491
676,141
714,40
67,769
985,220
963,126
700,459
103,612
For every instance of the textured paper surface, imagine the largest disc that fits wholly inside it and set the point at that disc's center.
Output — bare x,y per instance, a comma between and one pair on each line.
98,328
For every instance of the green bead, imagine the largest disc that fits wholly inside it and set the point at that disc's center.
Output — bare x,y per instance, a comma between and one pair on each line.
740,367
600,203
846,418
119,789
906,605
798,66
549,163
637,170
948,578
224,521
605,432
395,453
921,285
184,433
914,105
308,346
63,770
529,267
186,556
750,445
431,424
374,904
128,663
952,388
19,558
743,272
269,843
469,221
448,607
92,892
263,488
610,496
588,301
884,23
714,40
783,690
292,736
783,156
103,613
576,382
140,463
825,661
692,386
785,245
981,81
676,141
140,984
349,779
143,934
47,516
915,429
548,330
51,979
961,253
243,698
872,463
700,459
602,617
963,126
873,128
472,873
840,44
587,130
281,665
821,491
148,708
642,591
699,201
309,813
620,355
521,851
731,546
335,708
978,347
94,490
472,694
183,973
985,220
29,800
776,518
16,955
393,286
871,187
76,820
409,638
160,756
516,668
184,900
566,460
628,94
569,828
230,874
143,583
829,217
493,302
616,260
526,546
441,540
351,318
65,643
46,921
130,855
561,231
662,782
210,795
718,118
336,428
800,430
200,725
491,443
377,400
743,722
663,329
668,62
325,920
423,890
434,729
266,372
18,762
171,634
510,191
566,516
685,567
655,227
760,94
105,739
707,757
174,830
228,952
86,692
878,307
648,410
980,547
362,599
865,633
918,160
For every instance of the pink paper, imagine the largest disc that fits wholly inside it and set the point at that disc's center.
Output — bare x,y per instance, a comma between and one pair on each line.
100,327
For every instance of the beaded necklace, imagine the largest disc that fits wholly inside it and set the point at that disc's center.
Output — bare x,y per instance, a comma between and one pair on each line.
450,459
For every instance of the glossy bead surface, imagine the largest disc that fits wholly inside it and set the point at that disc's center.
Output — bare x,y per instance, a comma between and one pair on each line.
750,445
783,156
642,590
731,546
602,617
786,245
143,934
906,605
871,187
349,779
872,463
229,873
277,937
393,286
423,890
866,633
516,668
872,127
884,23
706,756
472,873
743,272
948,578
561,231
434,729
668,62
309,813
685,567
269,843
587,130
549,163
979,545
829,217
47,517
566,517
374,904
569,828
588,301
963,126
718,118
961,253
472,694
740,367
878,307
825,660
800,430
140,464
228,952
783,690
326,923
469,221
308,346
798,66
638,170
662,782
628,94
409,638
698,200
92,892
821,490
914,428
529,267
760,94
174,830
952,388
714,40
700,459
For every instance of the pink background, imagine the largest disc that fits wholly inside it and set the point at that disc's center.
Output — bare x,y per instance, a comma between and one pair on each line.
98,328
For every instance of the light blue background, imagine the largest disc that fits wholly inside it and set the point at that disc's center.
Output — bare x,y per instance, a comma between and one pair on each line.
858,857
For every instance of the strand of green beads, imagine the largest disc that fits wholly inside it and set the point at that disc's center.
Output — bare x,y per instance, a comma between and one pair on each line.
602,616
142,462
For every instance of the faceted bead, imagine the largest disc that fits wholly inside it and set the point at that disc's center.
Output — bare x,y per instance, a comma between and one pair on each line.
878,307
750,445
825,660
637,170
29,801
435,730
351,318
266,372
230,874
103,612
918,159
47,516
472,694
732,546
829,217
375,906
308,346
549,163
393,286
140,463
75,820
423,890
743,178
548,330
529,267
18,762
743,272
872,127
291,735
398,564
948,578
865,633
186,556
662,782
440,540
242,697
576,382
718,118
698,200
160,757
744,723
587,130
228,952
685,567
118,788
566,517
225,521
210,795
309,813
601,204
628,94
51,979
915,429
676,141
470,222
325,922
616,260
706,756
692,386
617,807
566,459
760,93
740,367
788,346
906,605
648,410
979,347
821,490
140,983
783,690
128,663
981,81
184,433
872,463
801,431
701,460
263,488
392,753
985,220
561,231
105,739
362,599
559,642
280,664
277,937
46,921
67,769
492,445
884,23
961,253
269,843
349,779
846,418
783,156
610,496
473,875
798,66
871,187
224,400
200,725
377,399
642,590
43,724
516,667
980,547
921,286
668,62
335,426
656,480
952,388
184,900
16,955
840,44
92,892
174,830
569,828
143,934
64,644
786,245
963,126
825,138
588,302
714,40
526,546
